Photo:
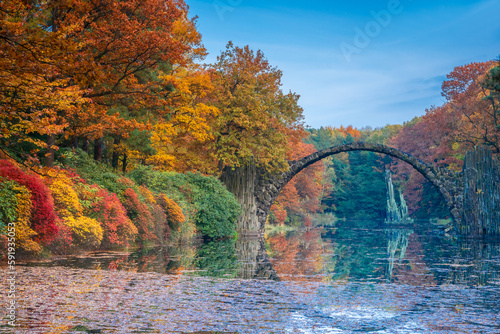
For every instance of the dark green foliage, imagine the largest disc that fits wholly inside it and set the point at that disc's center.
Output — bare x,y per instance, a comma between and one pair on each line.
140,141
492,82
358,181
432,204
360,188
215,209
170,183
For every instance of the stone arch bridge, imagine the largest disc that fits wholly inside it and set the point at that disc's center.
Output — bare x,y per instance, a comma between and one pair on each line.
257,190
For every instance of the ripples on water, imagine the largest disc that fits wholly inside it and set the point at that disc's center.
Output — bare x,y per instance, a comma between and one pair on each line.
331,280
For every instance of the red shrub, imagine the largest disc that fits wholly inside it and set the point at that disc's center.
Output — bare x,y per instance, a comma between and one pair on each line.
43,219
140,215
118,229
61,244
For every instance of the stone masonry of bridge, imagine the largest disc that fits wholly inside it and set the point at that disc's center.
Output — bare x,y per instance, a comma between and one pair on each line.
449,183
257,190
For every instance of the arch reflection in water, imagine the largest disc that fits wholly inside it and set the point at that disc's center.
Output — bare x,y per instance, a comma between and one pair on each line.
254,260
349,252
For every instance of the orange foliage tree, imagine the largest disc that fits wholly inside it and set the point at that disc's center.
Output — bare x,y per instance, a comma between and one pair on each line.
470,117
34,91
302,195
75,68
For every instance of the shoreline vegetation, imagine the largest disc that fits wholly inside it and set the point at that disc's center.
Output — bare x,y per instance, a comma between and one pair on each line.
114,132
85,206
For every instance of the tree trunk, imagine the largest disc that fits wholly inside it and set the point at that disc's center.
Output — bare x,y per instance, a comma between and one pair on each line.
124,161
98,149
75,142
86,145
114,159
49,156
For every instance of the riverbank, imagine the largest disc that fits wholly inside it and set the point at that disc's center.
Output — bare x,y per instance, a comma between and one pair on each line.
82,205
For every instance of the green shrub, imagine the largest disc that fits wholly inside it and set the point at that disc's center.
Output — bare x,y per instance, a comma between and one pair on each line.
8,202
204,199
217,209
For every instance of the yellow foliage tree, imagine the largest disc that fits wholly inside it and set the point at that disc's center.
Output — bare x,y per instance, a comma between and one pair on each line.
86,232
179,138
256,116
24,233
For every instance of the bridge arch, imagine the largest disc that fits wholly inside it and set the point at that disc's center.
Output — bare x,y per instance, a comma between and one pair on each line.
446,181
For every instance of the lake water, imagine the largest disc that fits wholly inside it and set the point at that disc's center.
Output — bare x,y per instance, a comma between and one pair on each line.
354,277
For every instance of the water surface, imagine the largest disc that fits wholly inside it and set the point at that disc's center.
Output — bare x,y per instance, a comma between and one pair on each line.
353,277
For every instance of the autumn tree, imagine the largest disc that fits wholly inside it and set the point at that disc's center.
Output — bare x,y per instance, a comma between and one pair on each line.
83,69
126,43
34,91
254,111
491,84
180,124
181,142
468,97
444,134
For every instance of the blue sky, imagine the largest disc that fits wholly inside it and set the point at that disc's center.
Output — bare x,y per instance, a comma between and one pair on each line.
365,63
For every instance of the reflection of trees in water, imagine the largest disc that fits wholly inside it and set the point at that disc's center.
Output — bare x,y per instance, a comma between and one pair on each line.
414,270
397,239
216,259
169,260
413,259
297,256
477,262
244,258
351,252
355,251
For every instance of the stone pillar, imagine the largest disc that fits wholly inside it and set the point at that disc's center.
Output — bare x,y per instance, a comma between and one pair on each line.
240,181
481,201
